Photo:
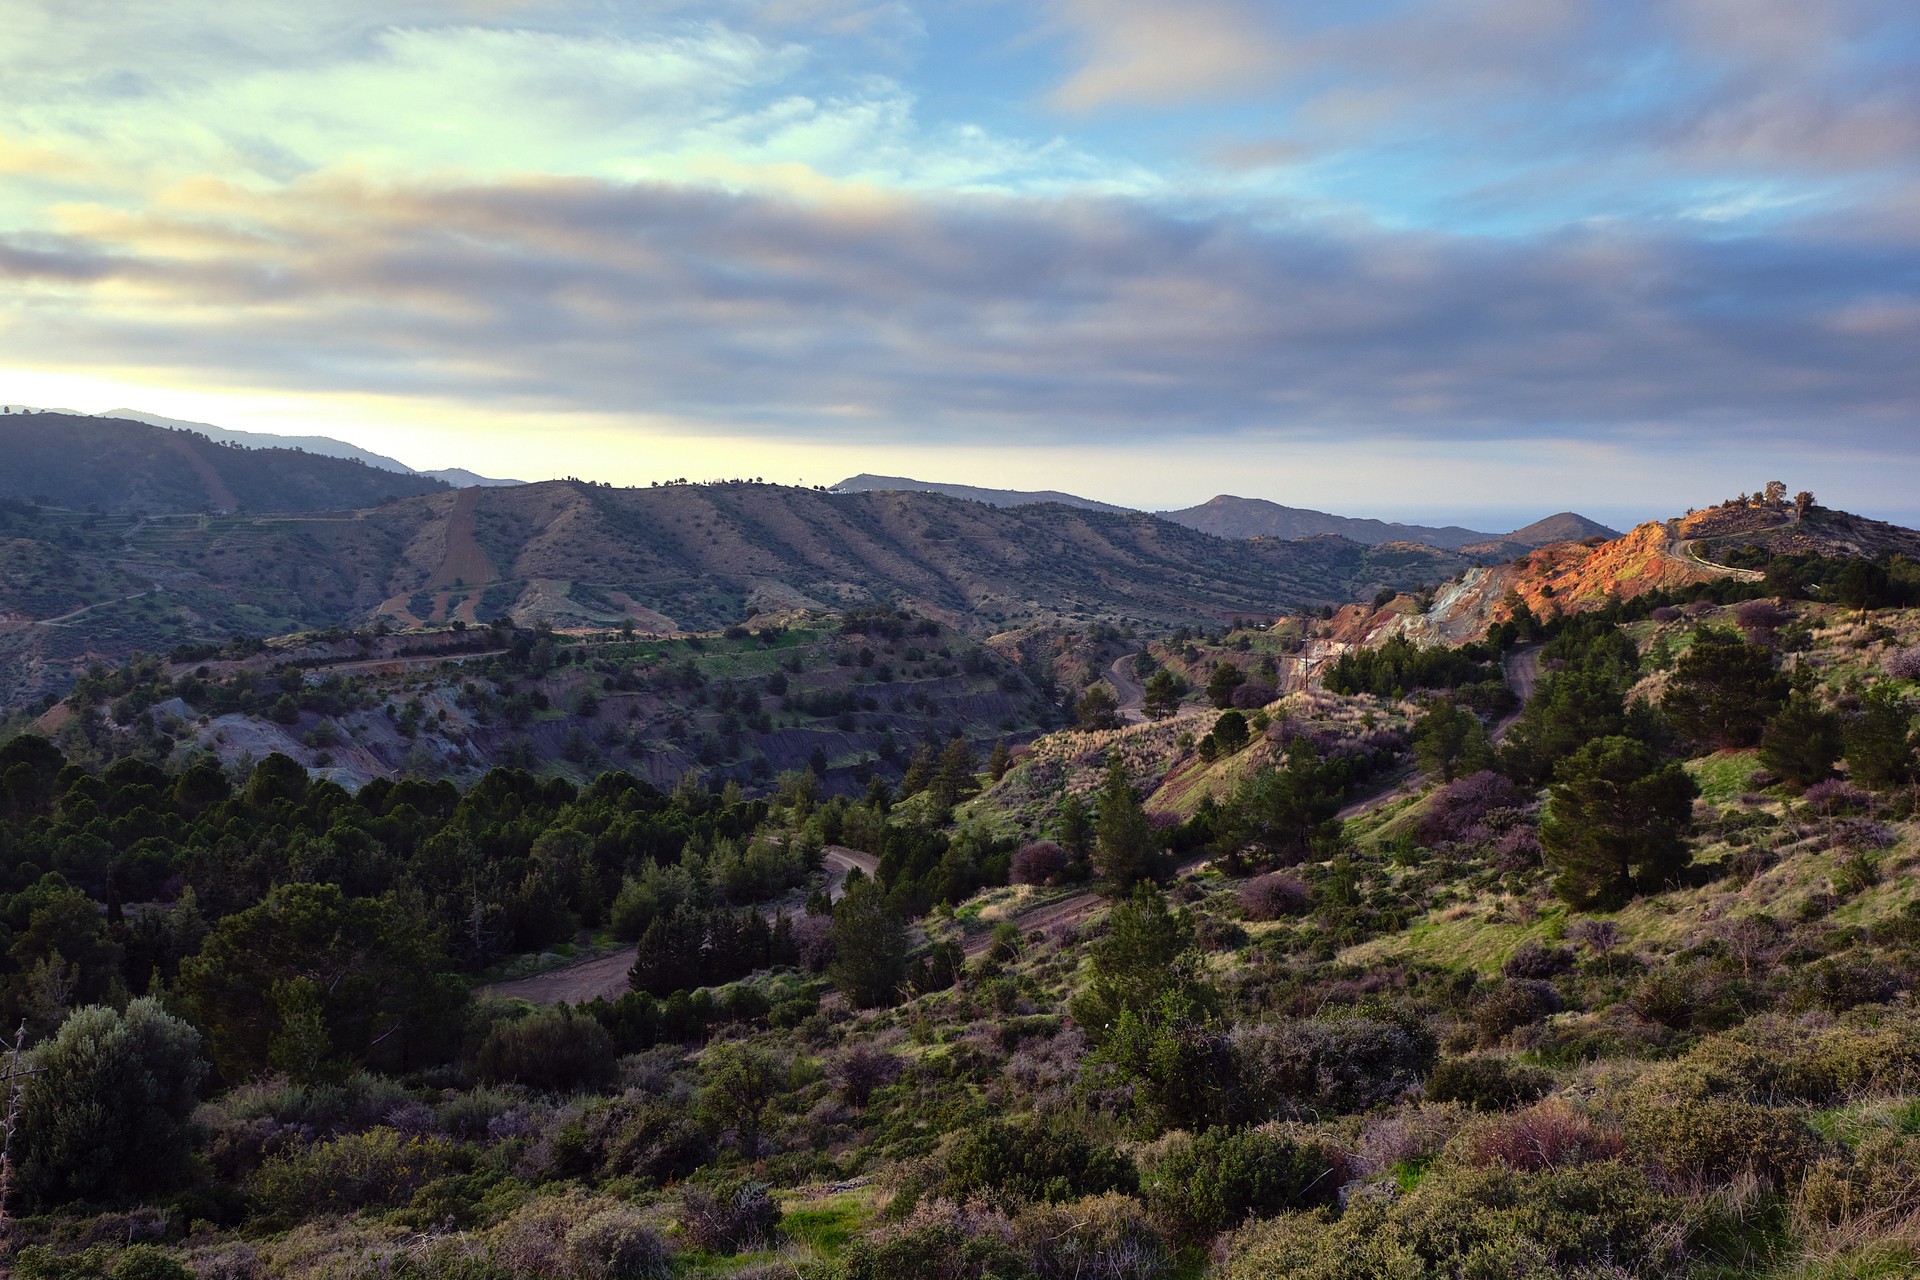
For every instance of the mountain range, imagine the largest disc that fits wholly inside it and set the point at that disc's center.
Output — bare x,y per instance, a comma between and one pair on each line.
325,446
1227,516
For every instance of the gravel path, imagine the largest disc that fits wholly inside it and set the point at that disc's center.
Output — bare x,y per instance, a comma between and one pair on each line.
606,976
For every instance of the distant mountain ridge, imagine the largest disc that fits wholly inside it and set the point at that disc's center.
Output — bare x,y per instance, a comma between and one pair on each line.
1230,517
1227,516
324,446
120,465
865,483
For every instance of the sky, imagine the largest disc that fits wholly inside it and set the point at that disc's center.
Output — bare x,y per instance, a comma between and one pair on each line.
1472,260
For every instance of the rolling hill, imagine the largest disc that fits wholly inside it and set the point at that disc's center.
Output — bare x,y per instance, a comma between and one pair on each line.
117,465
864,483
1229,517
325,446
674,558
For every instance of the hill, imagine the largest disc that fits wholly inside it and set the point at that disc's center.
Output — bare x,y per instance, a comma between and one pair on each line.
669,559
117,465
864,483
1604,966
1564,527
324,446
1229,517
1743,540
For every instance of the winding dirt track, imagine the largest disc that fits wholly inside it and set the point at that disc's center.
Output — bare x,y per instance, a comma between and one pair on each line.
606,976
1133,696
1686,551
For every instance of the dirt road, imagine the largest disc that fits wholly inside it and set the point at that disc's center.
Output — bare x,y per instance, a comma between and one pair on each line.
1686,551
1133,698
605,977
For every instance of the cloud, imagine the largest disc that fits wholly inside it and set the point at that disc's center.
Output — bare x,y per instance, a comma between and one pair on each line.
975,318
1157,51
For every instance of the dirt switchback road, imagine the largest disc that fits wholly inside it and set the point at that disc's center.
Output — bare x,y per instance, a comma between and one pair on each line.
605,977
1133,698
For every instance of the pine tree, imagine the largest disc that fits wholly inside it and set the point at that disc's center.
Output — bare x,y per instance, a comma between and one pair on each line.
1617,822
870,945
1124,843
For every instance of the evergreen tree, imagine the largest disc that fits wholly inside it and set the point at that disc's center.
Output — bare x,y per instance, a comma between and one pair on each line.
1124,843
1451,741
1724,690
870,945
1617,822
1097,708
1000,761
1225,679
1163,693
1802,742
1073,827
1147,953
1880,741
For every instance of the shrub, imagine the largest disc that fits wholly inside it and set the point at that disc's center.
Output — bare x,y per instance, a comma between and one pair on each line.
1460,810
1512,1004
356,1171
1904,664
1275,895
1836,796
616,1244
1324,1066
1213,1182
1547,1136
105,1112
1486,1083
579,1237
1253,695
861,1070
1533,959
1718,1138
1019,1161
1839,983
1038,862
553,1049
147,1262
729,1216
938,1241
1600,1219
1101,1238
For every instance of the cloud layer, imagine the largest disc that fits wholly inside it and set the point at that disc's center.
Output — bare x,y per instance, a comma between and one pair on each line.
1642,225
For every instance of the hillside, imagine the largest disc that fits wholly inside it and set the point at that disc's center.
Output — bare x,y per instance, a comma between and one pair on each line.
864,483
1608,973
1230,517
1733,541
114,465
671,558
325,446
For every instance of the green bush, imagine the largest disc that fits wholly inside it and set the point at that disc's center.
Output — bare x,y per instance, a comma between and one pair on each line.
1718,1138
1326,1066
377,1168
138,1262
1213,1182
554,1049
1017,1161
729,1216
105,1112
1486,1083
1104,1236
939,1241
1476,1223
